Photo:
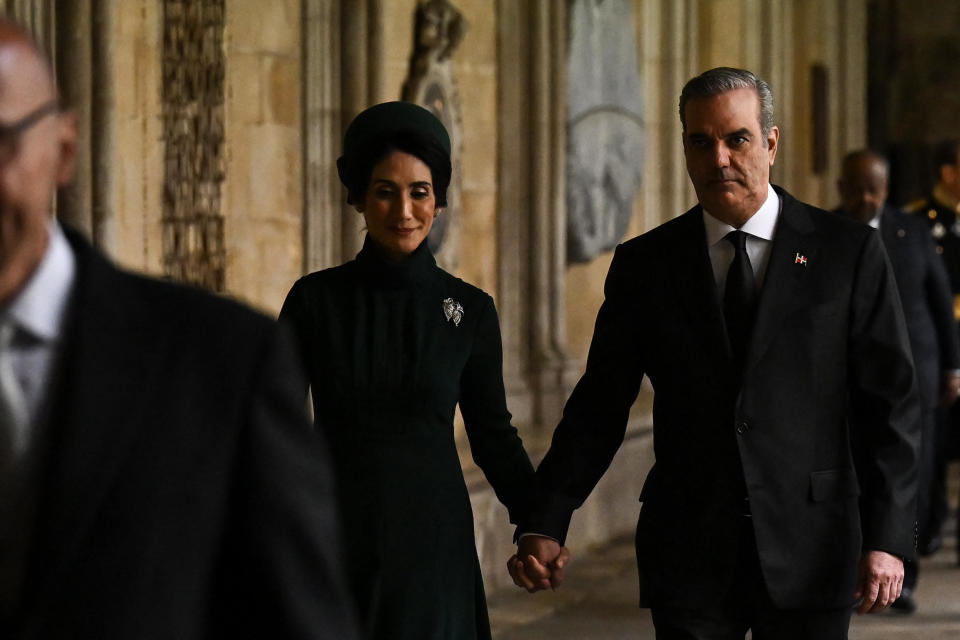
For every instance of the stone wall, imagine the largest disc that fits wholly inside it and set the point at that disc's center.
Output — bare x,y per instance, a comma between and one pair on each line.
475,72
261,194
129,175
262,200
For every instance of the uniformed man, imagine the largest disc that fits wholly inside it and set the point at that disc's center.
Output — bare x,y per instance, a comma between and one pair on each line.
927,308
941,211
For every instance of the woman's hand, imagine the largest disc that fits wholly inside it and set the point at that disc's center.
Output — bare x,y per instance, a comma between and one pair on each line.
538,563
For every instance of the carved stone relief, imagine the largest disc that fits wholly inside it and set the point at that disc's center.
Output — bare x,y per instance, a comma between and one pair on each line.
438,30
605,131
193,133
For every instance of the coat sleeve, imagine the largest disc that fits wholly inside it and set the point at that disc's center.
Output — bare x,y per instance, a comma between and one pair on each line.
494,442
294,317
595,417
884,406
280,571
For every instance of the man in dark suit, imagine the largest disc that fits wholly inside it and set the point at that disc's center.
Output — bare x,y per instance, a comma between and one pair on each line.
785,411
940,210
928,309
159,478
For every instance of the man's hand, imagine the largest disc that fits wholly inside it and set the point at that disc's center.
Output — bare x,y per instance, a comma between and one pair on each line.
879,581
538,563
951,388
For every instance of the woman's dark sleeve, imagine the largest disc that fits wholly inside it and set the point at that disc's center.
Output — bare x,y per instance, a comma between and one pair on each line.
294,319
494,442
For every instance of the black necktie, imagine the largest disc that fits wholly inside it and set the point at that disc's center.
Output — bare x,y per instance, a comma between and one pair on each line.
739,297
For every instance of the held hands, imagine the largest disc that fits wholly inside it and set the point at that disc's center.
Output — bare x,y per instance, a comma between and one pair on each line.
538,563
879,581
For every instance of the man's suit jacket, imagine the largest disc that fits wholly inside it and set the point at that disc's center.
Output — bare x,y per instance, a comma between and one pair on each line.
925,294
181,491
828,343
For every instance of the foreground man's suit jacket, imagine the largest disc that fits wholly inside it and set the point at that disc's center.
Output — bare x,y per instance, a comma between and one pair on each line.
181,491
828,380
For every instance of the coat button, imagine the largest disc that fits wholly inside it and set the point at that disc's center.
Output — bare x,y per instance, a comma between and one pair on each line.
742,428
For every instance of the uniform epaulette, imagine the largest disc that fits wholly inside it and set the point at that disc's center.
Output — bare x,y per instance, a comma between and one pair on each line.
916,206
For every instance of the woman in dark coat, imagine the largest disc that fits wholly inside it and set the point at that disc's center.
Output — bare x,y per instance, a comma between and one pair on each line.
392,343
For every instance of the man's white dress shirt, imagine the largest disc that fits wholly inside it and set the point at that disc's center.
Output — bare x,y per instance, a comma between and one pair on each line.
760,229
38,312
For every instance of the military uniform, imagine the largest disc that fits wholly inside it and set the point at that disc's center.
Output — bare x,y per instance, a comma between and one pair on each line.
941,211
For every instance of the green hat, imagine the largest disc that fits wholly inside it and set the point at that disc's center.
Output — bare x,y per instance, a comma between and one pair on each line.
386,121
389,118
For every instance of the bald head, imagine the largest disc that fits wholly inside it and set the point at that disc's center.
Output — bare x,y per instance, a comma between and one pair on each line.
24,66
863,184
37,150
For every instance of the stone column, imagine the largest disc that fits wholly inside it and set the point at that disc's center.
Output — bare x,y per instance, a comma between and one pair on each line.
358,74
343,52
75,35
513,214
852,76
554,371
322,131
343,62
532,210
100,127
668,57
778,69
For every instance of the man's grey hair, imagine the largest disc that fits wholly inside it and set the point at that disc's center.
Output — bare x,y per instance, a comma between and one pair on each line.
723,79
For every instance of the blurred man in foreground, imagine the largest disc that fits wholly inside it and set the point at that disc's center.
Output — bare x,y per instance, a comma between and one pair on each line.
158,477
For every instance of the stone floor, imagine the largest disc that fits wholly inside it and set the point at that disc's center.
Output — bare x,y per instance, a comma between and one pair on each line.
598,601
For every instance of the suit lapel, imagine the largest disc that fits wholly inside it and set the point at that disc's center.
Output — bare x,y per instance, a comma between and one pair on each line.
792,257
94,416
694,283
888,232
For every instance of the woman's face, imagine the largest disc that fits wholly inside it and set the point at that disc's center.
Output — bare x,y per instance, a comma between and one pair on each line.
399,205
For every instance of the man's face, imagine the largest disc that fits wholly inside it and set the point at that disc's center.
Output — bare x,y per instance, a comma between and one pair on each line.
863,188
728,158
950,177
34,161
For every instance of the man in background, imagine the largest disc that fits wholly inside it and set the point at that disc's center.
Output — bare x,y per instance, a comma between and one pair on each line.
941,211
158,478
928,310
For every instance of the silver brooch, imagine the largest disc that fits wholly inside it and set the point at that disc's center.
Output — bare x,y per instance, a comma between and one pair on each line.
453,311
